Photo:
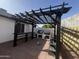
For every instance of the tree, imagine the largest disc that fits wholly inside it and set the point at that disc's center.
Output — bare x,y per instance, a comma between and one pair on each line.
47,26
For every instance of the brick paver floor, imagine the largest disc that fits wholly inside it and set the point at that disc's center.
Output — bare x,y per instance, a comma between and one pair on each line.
26,50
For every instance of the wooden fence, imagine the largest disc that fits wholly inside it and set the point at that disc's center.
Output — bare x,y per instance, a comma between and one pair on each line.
70,38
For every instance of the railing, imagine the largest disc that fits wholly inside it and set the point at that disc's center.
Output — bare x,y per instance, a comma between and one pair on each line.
70,37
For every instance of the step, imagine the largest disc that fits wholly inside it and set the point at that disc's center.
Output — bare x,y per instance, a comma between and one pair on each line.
52,49
53,43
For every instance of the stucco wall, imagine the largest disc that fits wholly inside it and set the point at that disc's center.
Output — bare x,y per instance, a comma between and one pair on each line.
6,29
28,28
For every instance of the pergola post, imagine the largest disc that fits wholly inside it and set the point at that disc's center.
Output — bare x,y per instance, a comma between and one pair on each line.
58,35
15,35
62,33
32,31
54,31
26,37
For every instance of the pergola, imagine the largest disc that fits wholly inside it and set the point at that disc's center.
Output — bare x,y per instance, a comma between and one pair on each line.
51,15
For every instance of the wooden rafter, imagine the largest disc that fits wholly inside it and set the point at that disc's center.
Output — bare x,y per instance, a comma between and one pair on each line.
33,17
50,15
52,7
38,16
28,21
43,15
16,17
44,11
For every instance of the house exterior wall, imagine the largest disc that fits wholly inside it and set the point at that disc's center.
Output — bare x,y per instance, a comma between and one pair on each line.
6,29
28,28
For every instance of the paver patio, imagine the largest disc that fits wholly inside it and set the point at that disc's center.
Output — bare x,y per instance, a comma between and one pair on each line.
26,50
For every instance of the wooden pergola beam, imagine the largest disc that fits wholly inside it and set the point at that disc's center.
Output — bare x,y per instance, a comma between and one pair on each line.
54,11
20,17
33,17
38,16
28,19
17,18
52,7
43,15
50,15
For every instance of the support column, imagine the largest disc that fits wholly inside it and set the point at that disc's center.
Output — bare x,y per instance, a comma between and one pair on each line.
58,35
15,35
54,32
62,35
26,37
32,31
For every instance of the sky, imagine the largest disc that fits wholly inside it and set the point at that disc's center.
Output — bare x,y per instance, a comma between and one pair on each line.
16,6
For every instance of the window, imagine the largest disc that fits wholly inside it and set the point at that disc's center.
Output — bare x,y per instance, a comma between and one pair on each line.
20,28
